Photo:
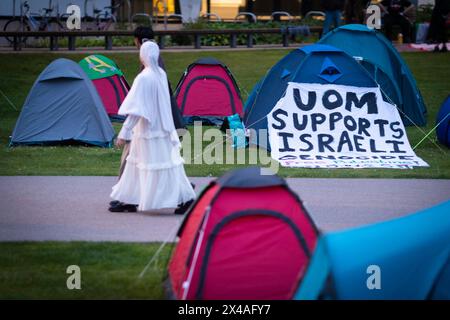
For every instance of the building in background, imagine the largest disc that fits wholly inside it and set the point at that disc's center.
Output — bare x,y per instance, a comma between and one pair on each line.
9,8
266,7
226,9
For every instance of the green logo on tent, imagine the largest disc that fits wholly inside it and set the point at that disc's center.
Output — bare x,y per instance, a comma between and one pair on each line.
98,66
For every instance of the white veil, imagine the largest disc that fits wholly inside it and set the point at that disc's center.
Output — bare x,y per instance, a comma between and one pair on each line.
149,95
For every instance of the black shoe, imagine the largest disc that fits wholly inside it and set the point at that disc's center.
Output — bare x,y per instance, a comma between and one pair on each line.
114,203
123,207
182,208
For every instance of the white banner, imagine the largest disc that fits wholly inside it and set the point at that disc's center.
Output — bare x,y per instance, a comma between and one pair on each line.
335,126
190,10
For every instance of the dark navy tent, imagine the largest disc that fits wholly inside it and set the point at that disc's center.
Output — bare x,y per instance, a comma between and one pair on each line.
63,106
311,64
377,54
410,256
443,123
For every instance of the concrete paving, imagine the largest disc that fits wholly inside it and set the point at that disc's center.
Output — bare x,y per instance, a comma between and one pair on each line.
75,208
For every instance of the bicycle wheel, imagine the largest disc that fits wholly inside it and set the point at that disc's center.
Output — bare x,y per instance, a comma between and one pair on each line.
15,25
109,24
105,22
100,22
62,21
54,26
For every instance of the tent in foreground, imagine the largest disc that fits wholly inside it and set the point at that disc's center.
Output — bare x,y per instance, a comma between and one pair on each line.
379,57
406,258
109,81
246,237
63,107
207,91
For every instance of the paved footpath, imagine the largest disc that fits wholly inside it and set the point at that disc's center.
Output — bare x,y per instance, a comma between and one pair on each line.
75,208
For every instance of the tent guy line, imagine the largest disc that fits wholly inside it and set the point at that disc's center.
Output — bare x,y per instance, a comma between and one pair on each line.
431,131
9,101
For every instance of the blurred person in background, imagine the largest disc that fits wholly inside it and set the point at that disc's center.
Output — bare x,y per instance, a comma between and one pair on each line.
355,11
438,25
333,14
398,12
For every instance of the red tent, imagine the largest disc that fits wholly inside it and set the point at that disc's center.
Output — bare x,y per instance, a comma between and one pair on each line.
113,91
109,80
208,89
247,236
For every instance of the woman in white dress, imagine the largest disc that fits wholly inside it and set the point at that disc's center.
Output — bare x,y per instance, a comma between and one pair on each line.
154,176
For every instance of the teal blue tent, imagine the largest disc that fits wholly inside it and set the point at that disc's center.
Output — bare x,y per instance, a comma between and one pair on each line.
63,107
376,53
412,254
310,64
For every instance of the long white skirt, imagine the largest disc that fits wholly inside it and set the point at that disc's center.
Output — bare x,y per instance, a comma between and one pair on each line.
154,176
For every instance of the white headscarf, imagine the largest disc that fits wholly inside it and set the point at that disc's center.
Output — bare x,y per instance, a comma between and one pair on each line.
149,95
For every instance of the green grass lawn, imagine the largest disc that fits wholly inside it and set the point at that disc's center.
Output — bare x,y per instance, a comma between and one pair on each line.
20,70
31,270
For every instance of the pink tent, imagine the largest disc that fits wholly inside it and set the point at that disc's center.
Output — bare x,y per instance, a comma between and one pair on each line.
248,236
208,89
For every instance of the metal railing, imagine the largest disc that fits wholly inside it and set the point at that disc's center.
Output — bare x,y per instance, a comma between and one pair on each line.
249,15
314,13
280,14
108,36
210,15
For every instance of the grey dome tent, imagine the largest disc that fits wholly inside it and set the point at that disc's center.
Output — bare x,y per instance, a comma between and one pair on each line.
63,107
